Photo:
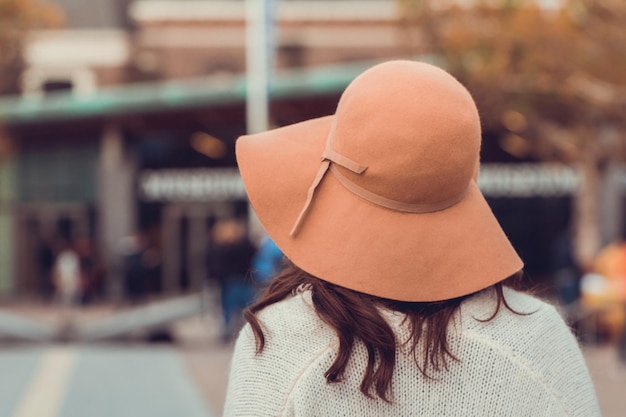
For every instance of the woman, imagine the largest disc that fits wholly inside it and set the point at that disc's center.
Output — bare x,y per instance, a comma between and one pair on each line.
230,259
395,303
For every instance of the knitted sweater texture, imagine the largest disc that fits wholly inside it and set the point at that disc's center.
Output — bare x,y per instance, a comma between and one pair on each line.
513,365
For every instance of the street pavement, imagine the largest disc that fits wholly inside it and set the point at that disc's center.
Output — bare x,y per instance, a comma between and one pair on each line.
609,377
97,381
187,378
126,378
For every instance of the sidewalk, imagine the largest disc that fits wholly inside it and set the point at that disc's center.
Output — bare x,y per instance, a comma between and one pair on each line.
208,360
609,378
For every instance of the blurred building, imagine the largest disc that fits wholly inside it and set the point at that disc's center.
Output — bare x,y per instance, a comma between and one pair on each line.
125,128
124,134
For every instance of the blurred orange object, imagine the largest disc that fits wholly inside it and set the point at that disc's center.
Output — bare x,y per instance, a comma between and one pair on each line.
604,291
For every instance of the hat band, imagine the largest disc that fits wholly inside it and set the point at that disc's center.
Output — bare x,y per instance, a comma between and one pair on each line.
329,156
393,204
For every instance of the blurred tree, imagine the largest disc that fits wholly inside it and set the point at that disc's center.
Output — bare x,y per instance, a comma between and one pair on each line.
551,79
17,17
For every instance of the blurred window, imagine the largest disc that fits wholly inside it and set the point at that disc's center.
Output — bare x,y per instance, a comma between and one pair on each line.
52,86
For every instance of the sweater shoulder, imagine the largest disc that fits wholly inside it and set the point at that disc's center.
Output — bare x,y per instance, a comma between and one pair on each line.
520,313
261,382
532,338
294,317
522,326
529,332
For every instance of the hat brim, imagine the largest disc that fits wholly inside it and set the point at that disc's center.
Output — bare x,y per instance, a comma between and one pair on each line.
356,244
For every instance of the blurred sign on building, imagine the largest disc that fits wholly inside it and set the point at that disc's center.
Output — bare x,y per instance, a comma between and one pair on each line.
527,180
191,185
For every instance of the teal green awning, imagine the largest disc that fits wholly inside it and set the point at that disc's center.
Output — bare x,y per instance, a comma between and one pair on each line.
172,95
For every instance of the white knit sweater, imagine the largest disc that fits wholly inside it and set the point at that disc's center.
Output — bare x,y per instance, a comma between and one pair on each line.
510,366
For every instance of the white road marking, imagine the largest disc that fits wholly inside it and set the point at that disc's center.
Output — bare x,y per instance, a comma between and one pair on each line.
44,397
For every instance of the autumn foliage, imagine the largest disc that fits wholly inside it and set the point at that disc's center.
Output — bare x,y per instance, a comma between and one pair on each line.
17,18
550,75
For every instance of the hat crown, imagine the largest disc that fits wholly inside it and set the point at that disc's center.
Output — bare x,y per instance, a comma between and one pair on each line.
414,126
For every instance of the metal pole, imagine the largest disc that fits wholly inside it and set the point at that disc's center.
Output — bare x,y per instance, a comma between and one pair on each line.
259,58
257,65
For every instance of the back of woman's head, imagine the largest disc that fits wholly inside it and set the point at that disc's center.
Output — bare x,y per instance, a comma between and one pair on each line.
380,202
356,317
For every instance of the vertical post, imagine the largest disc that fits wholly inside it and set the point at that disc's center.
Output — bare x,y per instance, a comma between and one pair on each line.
259,58
116,202
197,247
170,242
257,65
612,210
7,216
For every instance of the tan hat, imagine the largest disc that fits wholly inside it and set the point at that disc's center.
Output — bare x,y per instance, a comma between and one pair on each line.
381,197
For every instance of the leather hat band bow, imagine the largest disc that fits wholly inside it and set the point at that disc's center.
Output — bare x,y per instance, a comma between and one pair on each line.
327,157
330,157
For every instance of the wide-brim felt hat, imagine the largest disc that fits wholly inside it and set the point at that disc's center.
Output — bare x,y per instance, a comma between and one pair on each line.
381,197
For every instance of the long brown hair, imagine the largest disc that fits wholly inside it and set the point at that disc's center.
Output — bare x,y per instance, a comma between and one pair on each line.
356,316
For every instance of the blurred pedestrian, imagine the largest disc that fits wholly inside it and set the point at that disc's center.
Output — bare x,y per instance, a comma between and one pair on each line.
397,301
45,263
609,299
130,250
566,272
230,257
67,281
140,260
87,269
267,261
604,290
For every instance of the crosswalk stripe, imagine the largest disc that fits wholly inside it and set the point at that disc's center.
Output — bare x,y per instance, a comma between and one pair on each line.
44,397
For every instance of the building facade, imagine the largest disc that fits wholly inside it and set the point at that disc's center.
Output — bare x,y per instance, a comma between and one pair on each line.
123,138
122,143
